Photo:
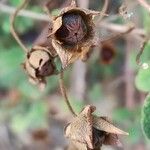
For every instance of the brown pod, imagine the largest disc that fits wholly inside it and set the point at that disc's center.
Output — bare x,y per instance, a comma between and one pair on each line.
73,33
38,65
91,132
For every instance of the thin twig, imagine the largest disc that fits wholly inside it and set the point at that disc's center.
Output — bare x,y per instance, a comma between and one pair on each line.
64,93
138,57
137,32
144,4
12,25
46,9
103,12
116,36
25,13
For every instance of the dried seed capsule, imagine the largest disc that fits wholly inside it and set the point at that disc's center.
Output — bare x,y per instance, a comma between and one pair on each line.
41,61
39,64
92,131
73,33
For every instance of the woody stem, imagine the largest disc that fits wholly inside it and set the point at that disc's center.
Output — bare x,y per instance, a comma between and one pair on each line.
64,93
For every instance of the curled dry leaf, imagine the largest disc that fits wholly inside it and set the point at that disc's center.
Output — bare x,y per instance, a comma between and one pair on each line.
73,33
39,64
92,131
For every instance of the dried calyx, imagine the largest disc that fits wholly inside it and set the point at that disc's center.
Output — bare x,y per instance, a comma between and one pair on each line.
73,33
91,132
38,65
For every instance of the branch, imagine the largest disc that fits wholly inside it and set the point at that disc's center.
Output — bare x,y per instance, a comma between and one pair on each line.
25,13
144,4
103,12
12,25
64,93
122,29
138,57
118,35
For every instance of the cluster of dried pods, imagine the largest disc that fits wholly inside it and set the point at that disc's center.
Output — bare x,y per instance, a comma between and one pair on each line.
70,36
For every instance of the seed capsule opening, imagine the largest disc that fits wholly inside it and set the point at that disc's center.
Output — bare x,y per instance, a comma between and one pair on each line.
74,29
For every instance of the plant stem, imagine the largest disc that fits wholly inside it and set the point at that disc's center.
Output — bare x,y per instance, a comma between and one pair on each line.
64,93
12,25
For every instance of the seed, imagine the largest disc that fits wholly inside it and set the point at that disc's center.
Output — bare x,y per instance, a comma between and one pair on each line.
73,29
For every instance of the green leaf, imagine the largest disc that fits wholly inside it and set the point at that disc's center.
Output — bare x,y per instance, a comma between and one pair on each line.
146,20
15,2
146,117
142,80
11,72
22,24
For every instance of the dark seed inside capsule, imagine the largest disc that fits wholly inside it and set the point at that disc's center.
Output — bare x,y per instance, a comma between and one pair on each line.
98,137
73,29
46,70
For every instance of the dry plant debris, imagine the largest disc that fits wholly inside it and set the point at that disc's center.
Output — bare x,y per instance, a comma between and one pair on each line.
91,131
73,33
70,37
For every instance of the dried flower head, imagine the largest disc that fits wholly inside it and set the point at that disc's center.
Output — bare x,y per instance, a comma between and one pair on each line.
107,53
73,33
92,131
38,65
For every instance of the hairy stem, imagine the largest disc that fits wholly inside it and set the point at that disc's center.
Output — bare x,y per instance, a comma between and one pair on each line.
64,93
12,25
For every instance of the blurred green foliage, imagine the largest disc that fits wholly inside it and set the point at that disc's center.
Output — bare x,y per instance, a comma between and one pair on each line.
143,80
130,119
32,108
146,117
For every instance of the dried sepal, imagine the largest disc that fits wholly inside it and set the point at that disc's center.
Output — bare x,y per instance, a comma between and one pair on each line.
102,124
39,64
92,131
68,57
80,129
73,33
